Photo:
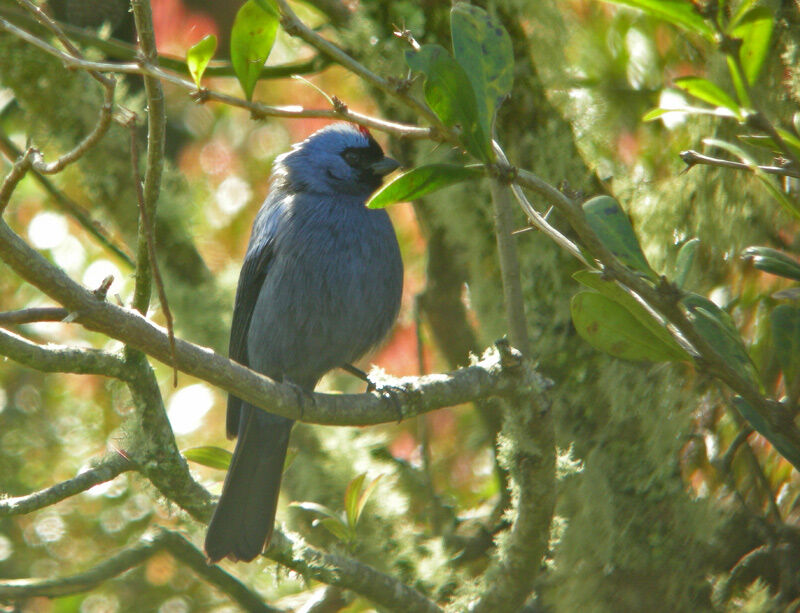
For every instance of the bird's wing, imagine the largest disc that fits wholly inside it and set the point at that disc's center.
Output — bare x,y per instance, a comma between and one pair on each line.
251,278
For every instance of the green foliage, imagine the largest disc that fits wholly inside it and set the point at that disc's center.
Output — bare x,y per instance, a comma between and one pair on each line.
252,37
208,455
199,55
677,12
609,221
754,29
421,181
773,261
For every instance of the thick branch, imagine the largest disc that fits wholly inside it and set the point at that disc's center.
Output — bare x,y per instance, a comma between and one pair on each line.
482,380
60,358
384,590
130,558
105,470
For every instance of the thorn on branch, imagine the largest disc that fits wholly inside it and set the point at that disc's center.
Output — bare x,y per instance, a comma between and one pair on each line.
102,291
406,35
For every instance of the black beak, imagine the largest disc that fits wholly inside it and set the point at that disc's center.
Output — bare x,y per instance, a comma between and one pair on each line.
384,166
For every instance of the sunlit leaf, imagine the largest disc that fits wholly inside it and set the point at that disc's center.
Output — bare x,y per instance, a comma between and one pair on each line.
351,495
609,221
785,322
614,292
685,261
791,141
773,261
754,28
449,93
719,111
420,181
709,92
252,37
609,327
677,12
214,457
781,443
198,56
483,48
362,500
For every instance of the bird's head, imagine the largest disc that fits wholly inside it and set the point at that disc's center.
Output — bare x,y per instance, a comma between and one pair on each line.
341,158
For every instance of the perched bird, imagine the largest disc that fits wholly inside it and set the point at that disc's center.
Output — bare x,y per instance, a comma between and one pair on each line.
320,286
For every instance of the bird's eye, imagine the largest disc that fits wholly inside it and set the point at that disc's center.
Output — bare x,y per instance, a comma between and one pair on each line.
352,157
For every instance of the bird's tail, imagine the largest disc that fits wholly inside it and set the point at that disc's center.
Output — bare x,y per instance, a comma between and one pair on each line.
243,520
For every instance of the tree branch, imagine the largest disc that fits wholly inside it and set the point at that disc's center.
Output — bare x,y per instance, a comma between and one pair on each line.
104,470
149,545
692,158
76,211
484,379
382,589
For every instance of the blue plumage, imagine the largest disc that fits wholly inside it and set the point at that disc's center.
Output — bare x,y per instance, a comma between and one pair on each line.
320,286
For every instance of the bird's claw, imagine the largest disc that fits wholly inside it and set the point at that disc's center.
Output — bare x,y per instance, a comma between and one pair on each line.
393,393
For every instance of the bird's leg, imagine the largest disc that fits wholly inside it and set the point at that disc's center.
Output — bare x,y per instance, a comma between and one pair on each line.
357,372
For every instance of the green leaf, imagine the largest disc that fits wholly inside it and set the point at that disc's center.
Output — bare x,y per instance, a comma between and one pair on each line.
785,323
677,12
449,93
781,443
609,221
215,457
719,111
719,331
420,181
483,48
741,10
252,37
315,507
685,260
331,521
199,55
709,92
758,140
791,141
362,500
611,328
351,499
337,528
773,261
754,28
613,291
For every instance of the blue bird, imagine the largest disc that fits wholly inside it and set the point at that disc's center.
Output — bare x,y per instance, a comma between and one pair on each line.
320,286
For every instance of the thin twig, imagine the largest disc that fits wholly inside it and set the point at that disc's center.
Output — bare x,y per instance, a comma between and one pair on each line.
104,470
151,247
69,206
32,315
691,158
256,109
18,171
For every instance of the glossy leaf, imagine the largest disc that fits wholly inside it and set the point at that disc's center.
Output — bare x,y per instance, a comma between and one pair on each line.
483,48
214,457
785,323
198,56
613,291
719,331
791,141
781,443
754,28
252,37
685,261
611,328
709,92
677,12
362,500
609,221
449,93
719,111
773,261
421,181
